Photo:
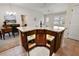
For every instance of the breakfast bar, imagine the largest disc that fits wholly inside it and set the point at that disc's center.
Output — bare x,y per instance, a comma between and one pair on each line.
49,37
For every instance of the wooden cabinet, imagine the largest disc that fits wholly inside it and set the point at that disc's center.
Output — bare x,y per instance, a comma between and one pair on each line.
40,37
24,40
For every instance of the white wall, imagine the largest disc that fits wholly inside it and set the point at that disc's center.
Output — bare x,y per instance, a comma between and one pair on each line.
20,11
74,24
67,21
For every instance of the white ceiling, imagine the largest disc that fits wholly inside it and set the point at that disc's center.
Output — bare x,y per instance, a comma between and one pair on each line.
45,7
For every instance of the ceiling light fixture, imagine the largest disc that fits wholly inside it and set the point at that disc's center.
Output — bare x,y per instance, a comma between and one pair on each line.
10,12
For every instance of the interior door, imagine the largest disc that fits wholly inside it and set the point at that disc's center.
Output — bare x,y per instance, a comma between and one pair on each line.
74,24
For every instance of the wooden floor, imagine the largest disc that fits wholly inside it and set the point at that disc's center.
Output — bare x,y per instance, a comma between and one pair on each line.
69,48
8,43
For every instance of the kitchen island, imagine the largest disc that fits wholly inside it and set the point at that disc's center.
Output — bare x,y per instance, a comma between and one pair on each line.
49,37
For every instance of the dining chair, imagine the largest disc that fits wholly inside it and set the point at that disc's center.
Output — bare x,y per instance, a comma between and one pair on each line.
6,30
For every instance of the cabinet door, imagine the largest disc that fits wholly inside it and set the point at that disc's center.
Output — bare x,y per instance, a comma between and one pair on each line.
40,38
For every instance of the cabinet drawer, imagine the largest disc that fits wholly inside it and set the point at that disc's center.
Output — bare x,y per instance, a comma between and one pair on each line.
51,33
31,33
40,31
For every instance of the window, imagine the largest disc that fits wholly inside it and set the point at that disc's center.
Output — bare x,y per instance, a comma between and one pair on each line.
10,18
58,21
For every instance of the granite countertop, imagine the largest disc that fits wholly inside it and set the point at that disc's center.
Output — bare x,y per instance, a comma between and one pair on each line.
54,28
